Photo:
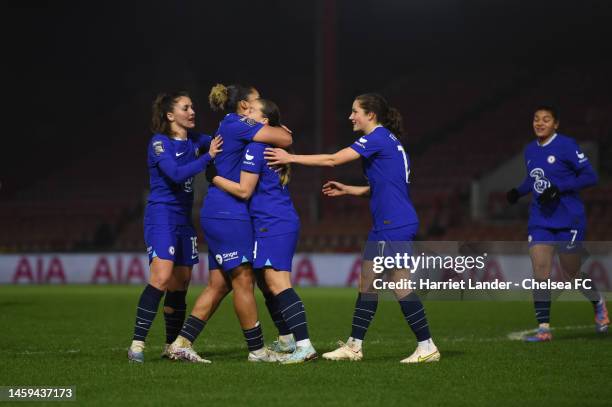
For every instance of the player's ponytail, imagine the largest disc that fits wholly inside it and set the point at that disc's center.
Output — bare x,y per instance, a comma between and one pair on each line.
226,98
386,115
394,122
162,105
270,111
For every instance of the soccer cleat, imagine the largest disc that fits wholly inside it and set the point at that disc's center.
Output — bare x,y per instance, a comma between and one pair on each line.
344,352
165,354
186,353
282,346
601,317
266,355
301,354
423,354
136,352
542,335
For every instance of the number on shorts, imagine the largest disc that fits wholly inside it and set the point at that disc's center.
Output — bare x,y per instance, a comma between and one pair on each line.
574,232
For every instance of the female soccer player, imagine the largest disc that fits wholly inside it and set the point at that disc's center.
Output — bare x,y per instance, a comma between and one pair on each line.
556,172
386,167
276,228
228,230
173,160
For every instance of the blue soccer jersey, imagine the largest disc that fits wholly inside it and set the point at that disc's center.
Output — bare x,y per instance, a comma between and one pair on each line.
387,167
561,163
172,165
237,131
270,206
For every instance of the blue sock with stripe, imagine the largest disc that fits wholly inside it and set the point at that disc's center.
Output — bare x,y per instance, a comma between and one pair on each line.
254,337
414,314
146,311
541,303
275,314
192,327
365,309
292,310
174,320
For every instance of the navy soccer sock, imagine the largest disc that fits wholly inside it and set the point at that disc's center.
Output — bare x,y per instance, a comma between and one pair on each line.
414,313
293,313
275,314
146,311
365,309
592,294
541,303
192,327
174,320
254,337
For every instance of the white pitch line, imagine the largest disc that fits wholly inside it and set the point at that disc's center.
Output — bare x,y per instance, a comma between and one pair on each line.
519,335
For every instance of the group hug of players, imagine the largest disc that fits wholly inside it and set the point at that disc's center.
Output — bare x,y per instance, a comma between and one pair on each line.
251,226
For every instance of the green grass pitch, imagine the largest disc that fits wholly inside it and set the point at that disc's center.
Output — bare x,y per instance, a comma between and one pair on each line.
78,335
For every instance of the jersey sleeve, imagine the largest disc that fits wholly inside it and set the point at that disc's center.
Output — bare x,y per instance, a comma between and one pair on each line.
253,159
160,149
580,165
201,140
246,129
367,146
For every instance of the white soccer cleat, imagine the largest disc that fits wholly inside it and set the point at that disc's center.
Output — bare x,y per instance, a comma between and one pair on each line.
301,354
283,346
266,355
185,353
423,355
344,352
136,352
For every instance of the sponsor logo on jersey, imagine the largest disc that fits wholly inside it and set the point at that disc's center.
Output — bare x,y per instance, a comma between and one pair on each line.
228,257
360,145
363,139
248,156
188,185
551,159
158,147
219,259
581,157
180,154
171,250
541,182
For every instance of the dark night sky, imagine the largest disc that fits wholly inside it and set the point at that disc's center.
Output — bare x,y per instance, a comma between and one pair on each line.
81,71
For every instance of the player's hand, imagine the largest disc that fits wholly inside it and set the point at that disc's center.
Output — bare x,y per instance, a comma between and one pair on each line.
211,172
277,156
215,146
549,195
334,188
512,196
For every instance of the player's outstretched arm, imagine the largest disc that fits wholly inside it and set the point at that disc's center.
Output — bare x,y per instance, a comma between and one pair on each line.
335,188
276,136
278,156
180,173
242,190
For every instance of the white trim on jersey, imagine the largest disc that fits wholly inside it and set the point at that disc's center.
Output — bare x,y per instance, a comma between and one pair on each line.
549,141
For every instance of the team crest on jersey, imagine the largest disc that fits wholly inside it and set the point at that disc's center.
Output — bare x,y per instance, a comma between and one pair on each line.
551,159
541,182
158,147
171,250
